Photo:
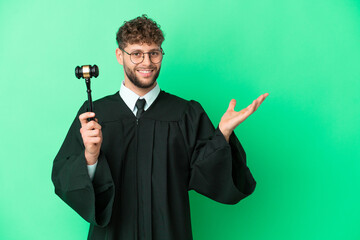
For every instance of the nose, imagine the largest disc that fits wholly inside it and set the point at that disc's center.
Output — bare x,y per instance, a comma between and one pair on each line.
147,60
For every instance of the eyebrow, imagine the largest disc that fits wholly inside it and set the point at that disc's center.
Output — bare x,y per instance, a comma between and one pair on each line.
137,49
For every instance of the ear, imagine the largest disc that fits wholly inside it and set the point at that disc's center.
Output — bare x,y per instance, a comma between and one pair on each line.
119,56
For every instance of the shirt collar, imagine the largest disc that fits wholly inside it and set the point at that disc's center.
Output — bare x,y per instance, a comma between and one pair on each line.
130,97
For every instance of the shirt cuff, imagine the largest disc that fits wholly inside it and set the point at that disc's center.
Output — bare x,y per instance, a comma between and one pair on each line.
91,170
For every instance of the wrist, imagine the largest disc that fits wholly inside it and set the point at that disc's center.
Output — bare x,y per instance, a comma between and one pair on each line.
91,159
226,133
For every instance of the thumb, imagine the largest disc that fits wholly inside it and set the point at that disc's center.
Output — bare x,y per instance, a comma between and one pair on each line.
232,104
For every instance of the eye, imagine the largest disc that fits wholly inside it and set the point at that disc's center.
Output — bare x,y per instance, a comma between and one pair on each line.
137,54
155,53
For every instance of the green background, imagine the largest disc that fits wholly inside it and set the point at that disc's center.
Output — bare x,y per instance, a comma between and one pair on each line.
302,144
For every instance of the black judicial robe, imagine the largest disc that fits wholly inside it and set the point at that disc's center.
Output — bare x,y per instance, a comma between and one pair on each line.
146,168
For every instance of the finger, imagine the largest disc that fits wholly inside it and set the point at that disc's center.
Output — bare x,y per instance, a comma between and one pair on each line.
257,102
246,112
94,140
92,125
260,100
232,105
243,114
248,107
265,95
83,117
93,133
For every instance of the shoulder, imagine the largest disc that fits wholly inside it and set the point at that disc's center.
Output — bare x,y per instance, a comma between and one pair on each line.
107,103
108,99
172,100
169,107
185,105
111,107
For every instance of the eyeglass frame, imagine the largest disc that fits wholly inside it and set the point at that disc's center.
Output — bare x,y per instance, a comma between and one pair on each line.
143,57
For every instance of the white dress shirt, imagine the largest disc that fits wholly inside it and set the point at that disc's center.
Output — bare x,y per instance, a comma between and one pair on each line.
130,98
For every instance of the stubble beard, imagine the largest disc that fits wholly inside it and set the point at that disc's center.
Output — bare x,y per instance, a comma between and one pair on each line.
135,80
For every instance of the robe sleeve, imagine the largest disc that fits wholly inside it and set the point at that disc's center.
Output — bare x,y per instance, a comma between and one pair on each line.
92,200
217,168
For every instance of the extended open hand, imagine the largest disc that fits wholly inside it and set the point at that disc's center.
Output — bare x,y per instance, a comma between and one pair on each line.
231,119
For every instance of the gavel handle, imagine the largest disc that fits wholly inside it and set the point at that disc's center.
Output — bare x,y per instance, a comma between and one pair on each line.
87,81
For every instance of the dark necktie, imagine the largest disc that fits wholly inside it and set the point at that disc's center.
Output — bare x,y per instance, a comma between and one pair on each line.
140,103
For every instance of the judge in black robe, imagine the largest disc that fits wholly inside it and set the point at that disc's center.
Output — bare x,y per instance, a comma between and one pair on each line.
146,168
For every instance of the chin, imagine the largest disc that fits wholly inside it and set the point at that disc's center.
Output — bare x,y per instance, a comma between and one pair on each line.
148,84
141,81
144,83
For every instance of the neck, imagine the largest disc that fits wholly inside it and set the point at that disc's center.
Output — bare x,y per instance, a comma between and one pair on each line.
139,91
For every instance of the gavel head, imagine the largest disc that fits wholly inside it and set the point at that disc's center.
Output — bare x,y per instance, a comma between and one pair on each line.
86,71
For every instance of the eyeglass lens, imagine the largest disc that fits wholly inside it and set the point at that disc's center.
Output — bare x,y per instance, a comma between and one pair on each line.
138,57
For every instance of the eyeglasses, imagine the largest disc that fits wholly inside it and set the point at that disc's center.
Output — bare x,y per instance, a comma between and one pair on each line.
137,57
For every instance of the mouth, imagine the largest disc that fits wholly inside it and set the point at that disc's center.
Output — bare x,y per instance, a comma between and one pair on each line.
145,72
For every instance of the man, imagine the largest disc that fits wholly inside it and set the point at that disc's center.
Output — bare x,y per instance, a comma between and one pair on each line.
128,172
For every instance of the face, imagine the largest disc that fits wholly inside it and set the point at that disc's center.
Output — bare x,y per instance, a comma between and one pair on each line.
142,75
